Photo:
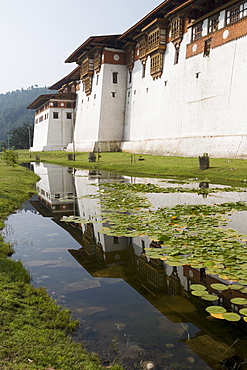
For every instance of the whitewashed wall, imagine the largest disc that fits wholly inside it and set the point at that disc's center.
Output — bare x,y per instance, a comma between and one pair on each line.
179,114
53,134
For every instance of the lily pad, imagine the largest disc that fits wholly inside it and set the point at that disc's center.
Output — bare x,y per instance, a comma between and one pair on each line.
243,311
219,286
199,293
215,309
210,297
236,287
197,287
239,301
245,319
217,316
231,316
243,282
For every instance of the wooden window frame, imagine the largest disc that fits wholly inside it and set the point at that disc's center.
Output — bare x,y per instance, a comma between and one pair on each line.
235,13
114,77
213,23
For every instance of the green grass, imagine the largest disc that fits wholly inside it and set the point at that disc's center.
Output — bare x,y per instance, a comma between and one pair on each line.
224,171
35,331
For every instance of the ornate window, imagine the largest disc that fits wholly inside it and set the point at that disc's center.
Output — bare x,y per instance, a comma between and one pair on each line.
207,47
176,29
236,12
88,85
213,23
130,57
153,40
156,65
142,48
156,35
97,62
86,67
197,31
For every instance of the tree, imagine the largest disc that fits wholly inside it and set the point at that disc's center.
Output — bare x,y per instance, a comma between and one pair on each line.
10,157
22,136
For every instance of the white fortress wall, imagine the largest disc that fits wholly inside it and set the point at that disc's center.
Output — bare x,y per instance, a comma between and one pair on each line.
60,130
113,102
196,106
88,116
40,133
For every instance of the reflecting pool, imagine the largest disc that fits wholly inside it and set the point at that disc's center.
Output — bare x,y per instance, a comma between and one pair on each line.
133,309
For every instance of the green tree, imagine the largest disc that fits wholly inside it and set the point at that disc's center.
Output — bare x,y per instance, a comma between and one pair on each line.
22,137
10,157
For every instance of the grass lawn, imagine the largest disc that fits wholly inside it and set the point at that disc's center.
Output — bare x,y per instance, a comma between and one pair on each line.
35,331
224,171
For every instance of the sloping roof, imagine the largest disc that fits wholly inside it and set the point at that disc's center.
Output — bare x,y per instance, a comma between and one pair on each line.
166,9
42,99
106,40
73,76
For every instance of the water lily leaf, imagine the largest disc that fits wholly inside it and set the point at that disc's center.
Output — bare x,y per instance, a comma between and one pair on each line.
199,293
231,316
242,282
239,301
174,263
217,286
244,290
217,316
215,309
209,297
197,287
245,319
243,311
236,287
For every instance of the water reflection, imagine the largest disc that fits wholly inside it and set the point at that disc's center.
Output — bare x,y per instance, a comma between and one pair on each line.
131,307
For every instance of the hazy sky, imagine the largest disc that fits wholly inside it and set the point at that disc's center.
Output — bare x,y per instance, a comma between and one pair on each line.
36,36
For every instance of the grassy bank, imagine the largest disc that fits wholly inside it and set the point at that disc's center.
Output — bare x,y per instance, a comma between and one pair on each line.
35,331
224,171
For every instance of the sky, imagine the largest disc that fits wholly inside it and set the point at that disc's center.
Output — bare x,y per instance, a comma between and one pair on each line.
36,36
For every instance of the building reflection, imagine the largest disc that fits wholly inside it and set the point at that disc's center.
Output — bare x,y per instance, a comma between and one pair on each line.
167,288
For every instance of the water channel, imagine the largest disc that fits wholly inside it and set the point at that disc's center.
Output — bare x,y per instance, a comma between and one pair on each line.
132,309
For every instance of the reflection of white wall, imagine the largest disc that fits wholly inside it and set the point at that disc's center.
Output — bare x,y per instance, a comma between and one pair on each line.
55,183
90,209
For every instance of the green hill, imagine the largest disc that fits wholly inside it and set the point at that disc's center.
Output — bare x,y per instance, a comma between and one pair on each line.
13,112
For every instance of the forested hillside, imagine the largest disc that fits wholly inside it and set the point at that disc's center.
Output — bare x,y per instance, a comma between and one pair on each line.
13,112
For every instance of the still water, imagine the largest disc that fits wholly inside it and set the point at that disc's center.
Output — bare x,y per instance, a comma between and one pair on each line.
132,309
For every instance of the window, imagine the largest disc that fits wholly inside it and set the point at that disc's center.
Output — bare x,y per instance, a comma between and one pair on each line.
130,77
97,79
55,115
69,104
143,70
115,77
69,115
213,23
57,195
115,240
176,29
236,12
197,31
177,49
207,47
153,40
113,94
55,104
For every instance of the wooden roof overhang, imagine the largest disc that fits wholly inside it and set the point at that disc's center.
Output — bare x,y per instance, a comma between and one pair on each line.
42,99
91,42
73,76
168,9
